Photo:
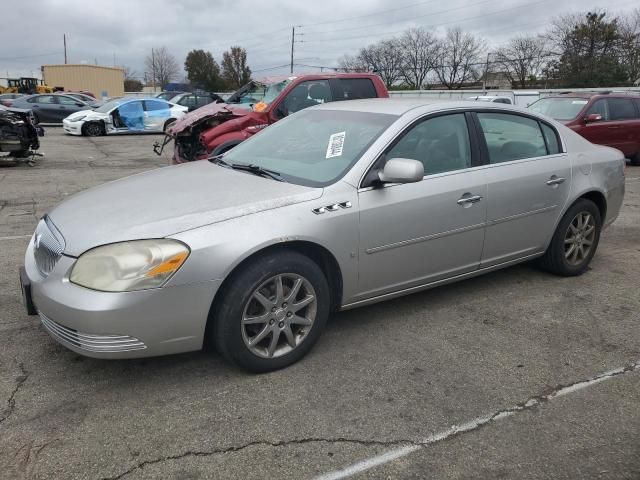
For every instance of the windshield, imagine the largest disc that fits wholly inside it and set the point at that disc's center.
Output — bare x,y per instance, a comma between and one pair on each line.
312,147
255,92
111,104
167,95
559,108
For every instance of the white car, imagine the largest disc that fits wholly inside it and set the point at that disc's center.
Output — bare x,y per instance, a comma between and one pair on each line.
124,115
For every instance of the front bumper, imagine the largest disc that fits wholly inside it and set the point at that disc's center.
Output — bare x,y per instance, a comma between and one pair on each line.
72,128
97,324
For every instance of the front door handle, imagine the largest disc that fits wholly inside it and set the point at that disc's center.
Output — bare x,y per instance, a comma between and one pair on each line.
468,199
554,180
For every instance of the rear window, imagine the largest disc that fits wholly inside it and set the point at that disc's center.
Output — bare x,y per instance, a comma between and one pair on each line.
559,108
354,88
551,138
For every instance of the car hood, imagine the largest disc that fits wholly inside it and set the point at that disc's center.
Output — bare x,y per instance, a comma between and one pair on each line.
204,113
166,201
85,113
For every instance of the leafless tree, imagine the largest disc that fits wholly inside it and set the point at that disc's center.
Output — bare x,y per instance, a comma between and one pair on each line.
630,45
235,70
161,67
523,58
384,59
458,57
352,64
419,52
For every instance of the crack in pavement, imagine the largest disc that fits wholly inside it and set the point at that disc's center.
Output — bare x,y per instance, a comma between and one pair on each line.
11,403
405,446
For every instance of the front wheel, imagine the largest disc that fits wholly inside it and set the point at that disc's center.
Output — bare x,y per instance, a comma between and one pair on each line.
271,313
93,129
575,240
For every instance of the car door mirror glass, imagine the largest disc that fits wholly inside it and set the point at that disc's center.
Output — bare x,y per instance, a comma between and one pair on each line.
593,117
402,170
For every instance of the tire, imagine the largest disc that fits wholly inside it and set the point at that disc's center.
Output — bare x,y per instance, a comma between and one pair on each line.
168,124
93,129
241,317
560,258
635,160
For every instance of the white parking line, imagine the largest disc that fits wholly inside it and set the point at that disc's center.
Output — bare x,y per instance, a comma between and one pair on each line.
471,425
15,237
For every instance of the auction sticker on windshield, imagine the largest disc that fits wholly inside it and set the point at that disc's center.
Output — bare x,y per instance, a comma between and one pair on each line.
336,143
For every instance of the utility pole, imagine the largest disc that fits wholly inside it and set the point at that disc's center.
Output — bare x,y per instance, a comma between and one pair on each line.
293,41
64,39
486,71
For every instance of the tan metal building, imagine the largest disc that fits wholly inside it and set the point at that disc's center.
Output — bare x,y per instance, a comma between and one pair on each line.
101,81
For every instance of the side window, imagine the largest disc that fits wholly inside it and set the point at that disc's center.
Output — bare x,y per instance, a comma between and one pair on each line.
187,101
305,95
621,109
203,100
599,107
354,88
440,143
552,139
503,100
154,105
511,137
64,100
43,99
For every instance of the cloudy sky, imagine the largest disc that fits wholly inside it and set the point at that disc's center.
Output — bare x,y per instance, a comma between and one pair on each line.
122,32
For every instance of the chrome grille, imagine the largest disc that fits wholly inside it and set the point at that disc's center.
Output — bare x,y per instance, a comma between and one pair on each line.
89,342
48,245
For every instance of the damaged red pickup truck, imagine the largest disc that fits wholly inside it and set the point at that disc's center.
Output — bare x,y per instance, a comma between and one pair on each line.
218,127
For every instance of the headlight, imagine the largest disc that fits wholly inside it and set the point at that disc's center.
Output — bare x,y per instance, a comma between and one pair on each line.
129,266
77,119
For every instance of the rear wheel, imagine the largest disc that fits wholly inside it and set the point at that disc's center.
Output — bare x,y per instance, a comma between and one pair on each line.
635,160
93,129
575,240
271,313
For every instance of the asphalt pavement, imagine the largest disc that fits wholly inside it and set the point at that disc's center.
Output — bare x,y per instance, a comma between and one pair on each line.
516,374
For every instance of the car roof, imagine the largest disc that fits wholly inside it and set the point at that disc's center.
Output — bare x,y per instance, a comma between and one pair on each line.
606,94
400,106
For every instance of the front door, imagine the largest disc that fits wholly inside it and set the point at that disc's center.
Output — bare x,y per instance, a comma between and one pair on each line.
528,183
417,233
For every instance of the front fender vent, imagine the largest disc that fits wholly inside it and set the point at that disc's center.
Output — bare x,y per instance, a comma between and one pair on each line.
334,207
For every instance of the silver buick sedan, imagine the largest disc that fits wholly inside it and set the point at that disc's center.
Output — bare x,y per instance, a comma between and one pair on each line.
337,206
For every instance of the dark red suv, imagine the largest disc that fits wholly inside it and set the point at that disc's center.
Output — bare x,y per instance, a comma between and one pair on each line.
218,127
605,118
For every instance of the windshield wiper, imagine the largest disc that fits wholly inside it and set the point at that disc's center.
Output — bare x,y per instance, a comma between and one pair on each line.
255,169
217,160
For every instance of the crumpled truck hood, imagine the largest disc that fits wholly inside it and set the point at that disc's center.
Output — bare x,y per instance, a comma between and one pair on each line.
166,201
203,113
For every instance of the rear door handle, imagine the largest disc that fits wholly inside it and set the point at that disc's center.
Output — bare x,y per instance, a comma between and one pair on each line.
467,200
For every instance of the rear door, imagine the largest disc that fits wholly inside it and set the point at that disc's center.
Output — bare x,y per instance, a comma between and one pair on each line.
528,183
156,113
624,125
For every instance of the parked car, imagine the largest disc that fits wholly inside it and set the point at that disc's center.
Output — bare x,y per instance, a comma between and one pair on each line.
611,119
19,132
168,95
7,98
196,100
50,107
491,98
337,206
216,128
124,115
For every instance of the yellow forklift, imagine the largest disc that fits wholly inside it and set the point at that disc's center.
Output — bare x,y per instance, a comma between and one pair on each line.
13,85
30,86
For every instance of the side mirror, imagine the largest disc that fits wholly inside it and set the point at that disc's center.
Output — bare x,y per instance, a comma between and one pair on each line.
593,117
402,170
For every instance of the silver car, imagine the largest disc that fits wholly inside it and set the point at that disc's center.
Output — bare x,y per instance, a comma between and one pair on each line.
337,206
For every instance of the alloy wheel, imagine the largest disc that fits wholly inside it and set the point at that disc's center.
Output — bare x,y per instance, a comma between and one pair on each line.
93,130
579,238
279,315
